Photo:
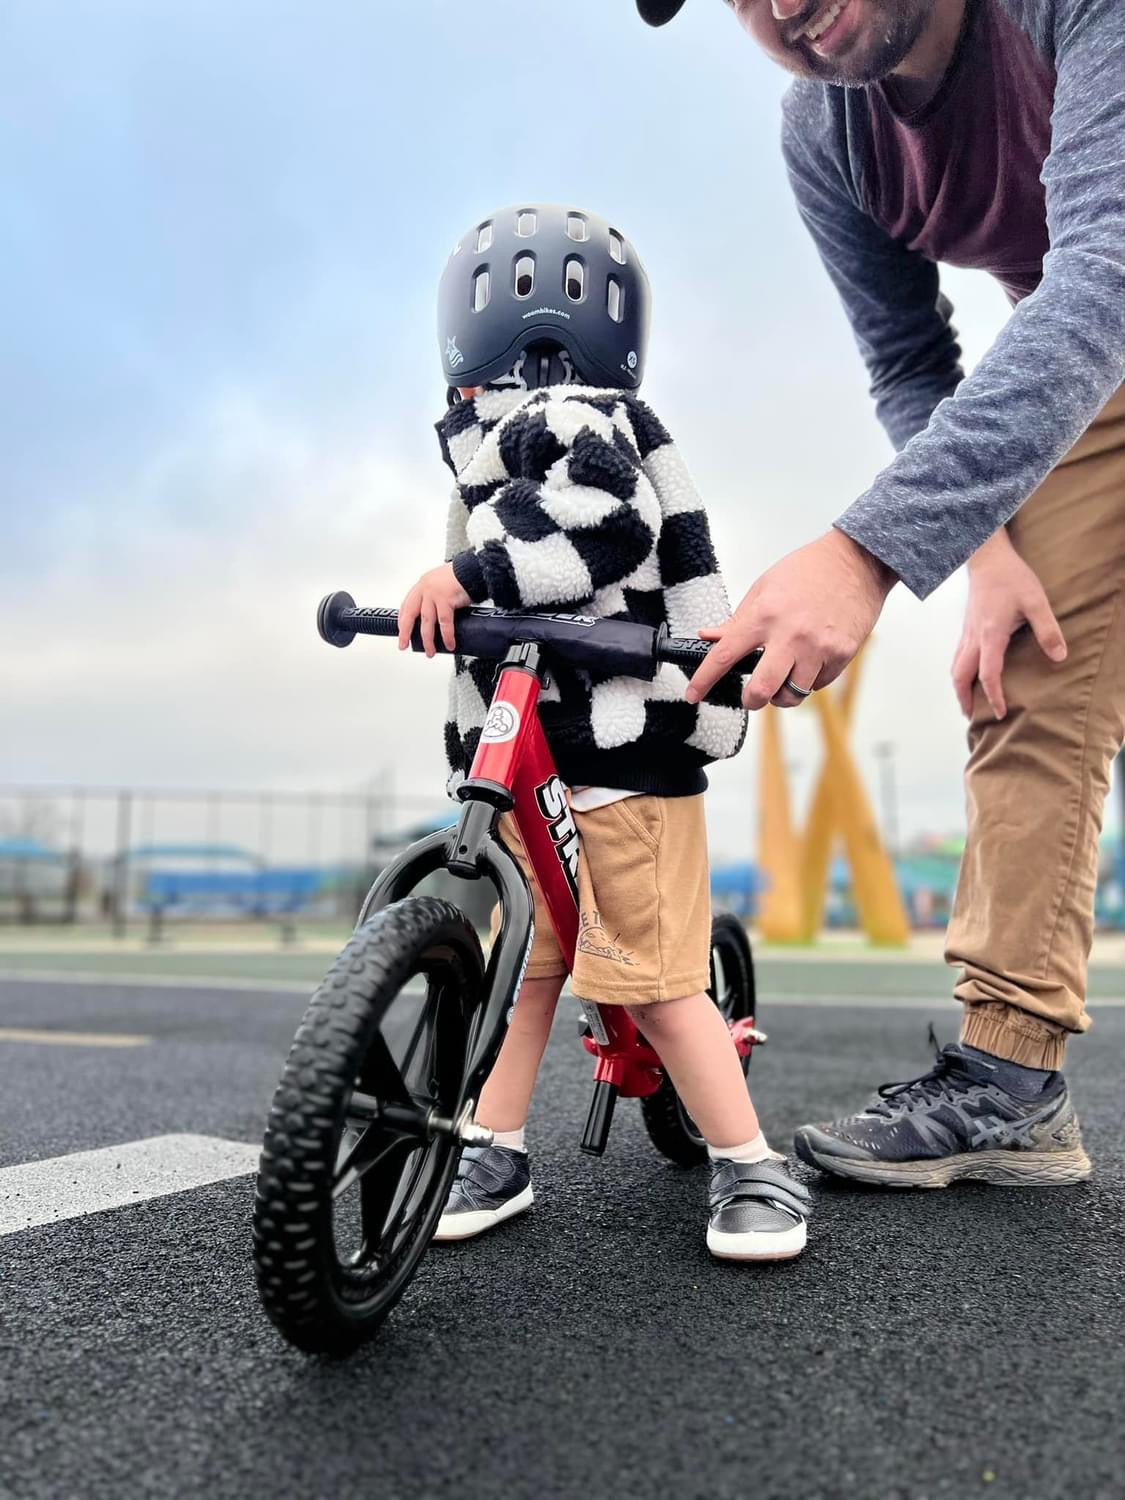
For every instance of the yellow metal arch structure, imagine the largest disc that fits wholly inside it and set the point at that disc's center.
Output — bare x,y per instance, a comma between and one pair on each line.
822,827
780,916
797,870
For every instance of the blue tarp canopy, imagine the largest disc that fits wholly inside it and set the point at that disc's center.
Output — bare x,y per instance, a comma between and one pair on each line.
28,849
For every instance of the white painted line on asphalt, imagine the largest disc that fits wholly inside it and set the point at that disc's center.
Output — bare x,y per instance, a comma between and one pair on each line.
89,1182
74,1038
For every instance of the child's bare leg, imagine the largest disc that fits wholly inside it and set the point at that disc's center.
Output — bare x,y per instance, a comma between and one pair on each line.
506,1095
694,1043
495,1184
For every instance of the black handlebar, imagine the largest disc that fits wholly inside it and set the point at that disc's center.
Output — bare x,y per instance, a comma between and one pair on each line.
618,647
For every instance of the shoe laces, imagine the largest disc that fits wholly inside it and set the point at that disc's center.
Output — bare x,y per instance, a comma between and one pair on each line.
944,1081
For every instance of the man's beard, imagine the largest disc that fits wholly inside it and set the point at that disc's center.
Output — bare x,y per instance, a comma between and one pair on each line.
894,28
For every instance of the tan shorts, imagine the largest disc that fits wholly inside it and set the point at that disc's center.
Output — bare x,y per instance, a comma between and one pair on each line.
645,903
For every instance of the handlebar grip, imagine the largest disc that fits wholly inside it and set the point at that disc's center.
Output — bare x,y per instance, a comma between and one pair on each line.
339,621
690,653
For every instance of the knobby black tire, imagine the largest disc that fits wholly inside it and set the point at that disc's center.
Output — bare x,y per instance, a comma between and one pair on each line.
318,1303
670,1128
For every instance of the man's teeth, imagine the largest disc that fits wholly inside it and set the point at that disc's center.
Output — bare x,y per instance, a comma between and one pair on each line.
819,27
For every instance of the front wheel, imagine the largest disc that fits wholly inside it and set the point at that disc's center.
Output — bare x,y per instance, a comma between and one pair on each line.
361,1144
670,1128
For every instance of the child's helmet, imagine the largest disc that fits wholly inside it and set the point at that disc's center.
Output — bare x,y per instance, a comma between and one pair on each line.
556,285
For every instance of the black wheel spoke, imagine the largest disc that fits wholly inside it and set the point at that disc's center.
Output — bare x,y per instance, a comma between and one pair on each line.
362,1109
423,1028
382,1200
381,1075
372,1147
384,1221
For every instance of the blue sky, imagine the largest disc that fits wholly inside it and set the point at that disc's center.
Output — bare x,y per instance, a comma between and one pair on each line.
223,225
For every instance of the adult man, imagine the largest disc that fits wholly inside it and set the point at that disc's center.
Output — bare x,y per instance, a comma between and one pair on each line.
985,133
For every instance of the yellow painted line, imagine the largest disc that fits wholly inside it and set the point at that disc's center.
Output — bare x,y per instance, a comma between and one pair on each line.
74,1038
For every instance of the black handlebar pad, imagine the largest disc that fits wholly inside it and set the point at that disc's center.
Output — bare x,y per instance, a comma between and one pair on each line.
618,647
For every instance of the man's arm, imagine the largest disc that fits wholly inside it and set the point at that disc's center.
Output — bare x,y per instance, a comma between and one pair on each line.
1059,358
900,319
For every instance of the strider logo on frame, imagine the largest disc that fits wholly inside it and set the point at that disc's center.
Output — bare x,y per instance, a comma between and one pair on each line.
551,797
502,724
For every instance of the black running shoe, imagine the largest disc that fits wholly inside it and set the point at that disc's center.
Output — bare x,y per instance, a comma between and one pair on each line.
493,1183
955,1121
758,1212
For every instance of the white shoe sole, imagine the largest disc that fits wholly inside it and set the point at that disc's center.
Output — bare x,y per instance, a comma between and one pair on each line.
467,1226
1000,1168
758,1244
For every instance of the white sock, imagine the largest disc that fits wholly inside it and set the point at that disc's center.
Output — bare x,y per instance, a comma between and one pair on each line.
749,1152
512,1139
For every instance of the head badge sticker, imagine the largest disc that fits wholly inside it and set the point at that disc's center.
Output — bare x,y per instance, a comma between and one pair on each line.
502,724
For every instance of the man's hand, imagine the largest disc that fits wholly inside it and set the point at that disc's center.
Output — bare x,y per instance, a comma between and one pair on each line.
434,598
810,614
1004,594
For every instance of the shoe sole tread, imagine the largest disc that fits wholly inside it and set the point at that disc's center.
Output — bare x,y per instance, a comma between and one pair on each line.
998,1168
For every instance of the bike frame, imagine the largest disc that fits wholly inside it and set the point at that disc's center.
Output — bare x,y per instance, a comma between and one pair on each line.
514,771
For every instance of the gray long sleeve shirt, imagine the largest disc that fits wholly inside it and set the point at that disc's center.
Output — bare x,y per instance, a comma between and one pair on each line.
1016,166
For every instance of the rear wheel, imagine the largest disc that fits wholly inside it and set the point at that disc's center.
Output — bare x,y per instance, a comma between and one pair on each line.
670,1128
361,1144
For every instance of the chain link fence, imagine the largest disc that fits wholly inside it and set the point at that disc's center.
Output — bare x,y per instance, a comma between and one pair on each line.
134,859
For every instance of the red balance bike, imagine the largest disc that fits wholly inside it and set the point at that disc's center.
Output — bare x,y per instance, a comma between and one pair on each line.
377,1097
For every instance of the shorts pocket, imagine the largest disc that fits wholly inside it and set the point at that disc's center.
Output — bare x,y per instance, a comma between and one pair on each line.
645,821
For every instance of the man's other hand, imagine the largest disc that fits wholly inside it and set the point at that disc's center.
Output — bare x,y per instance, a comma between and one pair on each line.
810,614
1004,595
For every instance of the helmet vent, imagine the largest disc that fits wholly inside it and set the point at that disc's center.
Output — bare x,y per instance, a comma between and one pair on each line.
524,276
482,289
576,227
526,222
615,299
617,247
574,278
484,237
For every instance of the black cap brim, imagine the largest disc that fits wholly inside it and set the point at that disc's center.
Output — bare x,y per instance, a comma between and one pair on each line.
657,12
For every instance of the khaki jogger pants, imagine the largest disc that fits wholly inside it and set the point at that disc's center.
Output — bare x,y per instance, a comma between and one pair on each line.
1036,782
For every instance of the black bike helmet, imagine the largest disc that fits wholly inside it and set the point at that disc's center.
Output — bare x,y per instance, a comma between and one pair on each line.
658,12
556,285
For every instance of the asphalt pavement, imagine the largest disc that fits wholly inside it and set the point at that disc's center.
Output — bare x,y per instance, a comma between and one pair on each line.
954,1343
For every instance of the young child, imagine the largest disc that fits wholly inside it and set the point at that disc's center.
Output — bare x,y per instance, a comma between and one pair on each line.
571,496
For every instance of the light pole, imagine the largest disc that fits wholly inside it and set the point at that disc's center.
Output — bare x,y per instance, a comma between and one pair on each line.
888,794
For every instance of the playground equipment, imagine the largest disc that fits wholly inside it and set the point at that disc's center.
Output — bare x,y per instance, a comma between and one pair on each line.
797,867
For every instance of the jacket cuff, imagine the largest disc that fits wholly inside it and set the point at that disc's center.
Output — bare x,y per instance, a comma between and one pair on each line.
470,575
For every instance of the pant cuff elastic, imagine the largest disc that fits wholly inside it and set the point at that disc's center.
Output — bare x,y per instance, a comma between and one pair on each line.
1007,1033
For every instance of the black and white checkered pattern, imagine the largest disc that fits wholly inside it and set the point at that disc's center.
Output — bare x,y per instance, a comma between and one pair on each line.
575,498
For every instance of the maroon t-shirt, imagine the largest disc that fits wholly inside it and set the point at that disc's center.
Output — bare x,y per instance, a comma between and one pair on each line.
1036,90
959,180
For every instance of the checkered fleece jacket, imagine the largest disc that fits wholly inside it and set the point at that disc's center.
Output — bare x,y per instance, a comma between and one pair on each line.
575,499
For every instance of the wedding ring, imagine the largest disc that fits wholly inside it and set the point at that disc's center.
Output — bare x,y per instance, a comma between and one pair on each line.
800,691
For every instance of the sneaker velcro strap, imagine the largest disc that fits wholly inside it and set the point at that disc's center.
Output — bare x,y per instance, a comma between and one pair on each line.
737,1181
